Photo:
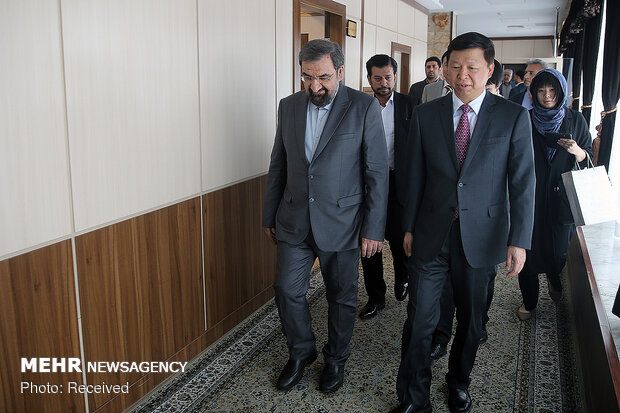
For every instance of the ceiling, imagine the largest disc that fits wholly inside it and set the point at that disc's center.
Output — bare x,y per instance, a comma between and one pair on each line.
503,18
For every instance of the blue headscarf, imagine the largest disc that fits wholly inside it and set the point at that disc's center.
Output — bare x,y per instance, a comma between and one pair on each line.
548,120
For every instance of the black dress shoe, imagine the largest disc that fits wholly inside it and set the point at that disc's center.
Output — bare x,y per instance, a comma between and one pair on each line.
331,378
484,336
408,408
400,291
370,310
459,401
438,351
293,371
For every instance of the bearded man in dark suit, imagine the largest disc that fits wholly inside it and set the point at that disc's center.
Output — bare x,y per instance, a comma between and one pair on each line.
396,111
326,195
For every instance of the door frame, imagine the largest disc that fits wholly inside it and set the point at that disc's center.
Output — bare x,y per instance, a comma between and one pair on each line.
405,69
328,6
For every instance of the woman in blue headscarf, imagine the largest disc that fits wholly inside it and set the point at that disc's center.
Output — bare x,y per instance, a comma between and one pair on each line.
553,221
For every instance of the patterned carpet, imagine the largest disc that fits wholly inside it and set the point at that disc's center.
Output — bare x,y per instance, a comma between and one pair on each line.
523,367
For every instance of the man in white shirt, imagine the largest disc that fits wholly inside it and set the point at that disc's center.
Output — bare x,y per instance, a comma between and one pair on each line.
396,110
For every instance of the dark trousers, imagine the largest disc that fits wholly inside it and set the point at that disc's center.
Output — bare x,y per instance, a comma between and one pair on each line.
373,271
340,273
425,289
373,266
443,332
528,283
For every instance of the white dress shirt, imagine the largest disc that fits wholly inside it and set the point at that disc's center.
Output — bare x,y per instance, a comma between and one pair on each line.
473,113
387,113
316,118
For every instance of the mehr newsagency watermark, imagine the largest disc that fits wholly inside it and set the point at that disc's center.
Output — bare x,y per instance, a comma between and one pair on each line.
73,364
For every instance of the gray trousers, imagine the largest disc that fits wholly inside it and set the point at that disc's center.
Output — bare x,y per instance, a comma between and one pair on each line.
340,273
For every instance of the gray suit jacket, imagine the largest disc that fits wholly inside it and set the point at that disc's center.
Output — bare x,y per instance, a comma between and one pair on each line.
494,188
342,193
433,91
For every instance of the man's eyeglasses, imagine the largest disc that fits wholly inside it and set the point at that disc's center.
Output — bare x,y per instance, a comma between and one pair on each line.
323,78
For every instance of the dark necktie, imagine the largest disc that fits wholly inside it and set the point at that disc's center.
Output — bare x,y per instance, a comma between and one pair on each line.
462,134
462,140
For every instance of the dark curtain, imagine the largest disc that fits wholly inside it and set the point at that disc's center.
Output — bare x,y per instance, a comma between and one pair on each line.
576,52
611,80
579,39
591,40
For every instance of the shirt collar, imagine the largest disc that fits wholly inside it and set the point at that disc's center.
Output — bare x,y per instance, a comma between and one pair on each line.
474,104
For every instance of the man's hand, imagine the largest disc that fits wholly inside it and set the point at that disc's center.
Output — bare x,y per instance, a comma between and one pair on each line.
370,247
515,260
407,243
271,234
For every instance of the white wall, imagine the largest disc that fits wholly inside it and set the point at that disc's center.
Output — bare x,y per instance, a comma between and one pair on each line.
34,189
237,88
132,105
314,26
519,51
113,108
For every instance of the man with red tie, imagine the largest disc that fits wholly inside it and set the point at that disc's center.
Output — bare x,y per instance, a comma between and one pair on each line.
470,206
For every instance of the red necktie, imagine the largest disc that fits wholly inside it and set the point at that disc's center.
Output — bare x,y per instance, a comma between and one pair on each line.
462,134
462,140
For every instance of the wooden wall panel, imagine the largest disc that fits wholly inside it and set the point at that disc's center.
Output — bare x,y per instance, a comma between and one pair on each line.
141,291
239,260
39,319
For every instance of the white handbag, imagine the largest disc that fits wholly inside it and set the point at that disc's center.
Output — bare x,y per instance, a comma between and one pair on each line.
590,195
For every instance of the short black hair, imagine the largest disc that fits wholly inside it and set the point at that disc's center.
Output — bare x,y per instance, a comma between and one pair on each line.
473,40
498,74
315,49
380,60
432,59
520,74
444,55
543,79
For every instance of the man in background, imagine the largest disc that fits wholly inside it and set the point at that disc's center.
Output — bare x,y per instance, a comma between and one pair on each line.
326,195
432,67
524,98
396,111
519,87
507,84
439,88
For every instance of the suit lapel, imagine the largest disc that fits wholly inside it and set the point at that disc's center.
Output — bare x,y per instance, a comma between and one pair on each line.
400,110
339,109
301,109
484,118
447,125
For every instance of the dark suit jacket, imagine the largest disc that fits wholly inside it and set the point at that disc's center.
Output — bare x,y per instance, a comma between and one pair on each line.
415,91
518,98
342,193
403,109
494,189
520,89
